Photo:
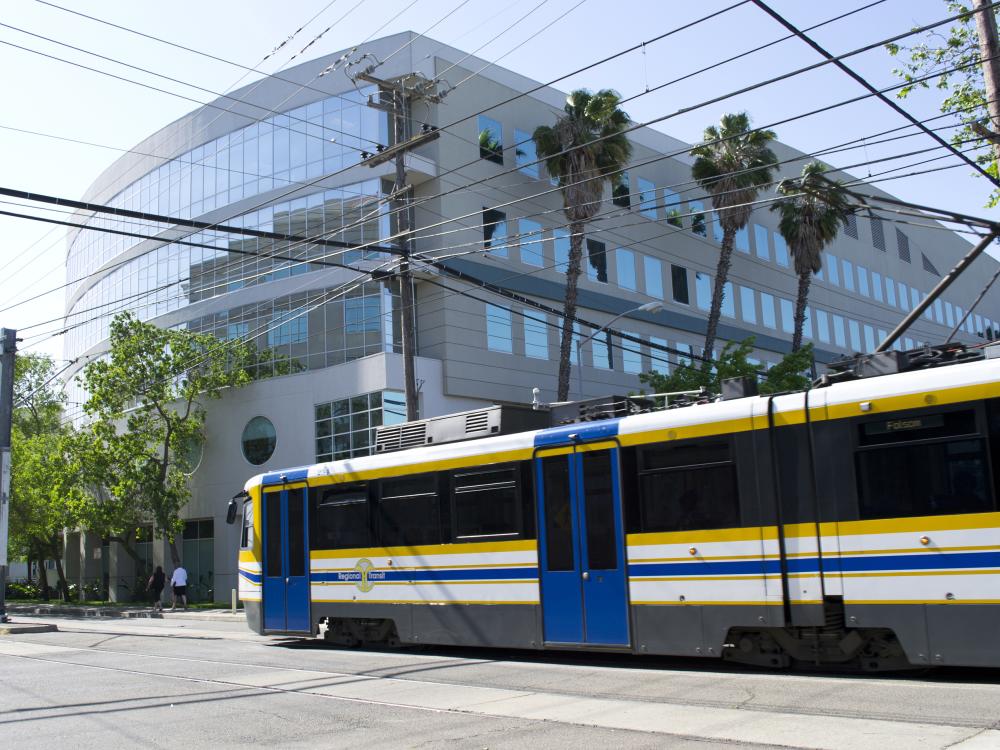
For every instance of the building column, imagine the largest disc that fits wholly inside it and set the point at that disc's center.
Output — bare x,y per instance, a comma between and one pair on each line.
121,569
90,562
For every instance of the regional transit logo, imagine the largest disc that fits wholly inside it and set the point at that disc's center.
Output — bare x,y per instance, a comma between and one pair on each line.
363,576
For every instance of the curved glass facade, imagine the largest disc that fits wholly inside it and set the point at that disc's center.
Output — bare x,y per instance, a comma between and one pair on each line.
311,328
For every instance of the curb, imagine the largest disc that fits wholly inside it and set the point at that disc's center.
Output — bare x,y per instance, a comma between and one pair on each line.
46,610
19,628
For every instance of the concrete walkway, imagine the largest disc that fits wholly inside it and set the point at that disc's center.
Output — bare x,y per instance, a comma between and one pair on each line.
126,611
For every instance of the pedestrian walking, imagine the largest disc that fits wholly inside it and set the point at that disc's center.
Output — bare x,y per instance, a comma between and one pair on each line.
178,582
155,586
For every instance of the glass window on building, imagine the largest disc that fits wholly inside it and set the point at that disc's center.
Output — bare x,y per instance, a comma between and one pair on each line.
621,188
346,427
863,281
536,334
258,440
495,232
938,311
807,326
728,300
703,290
877,287
198,558
890,291
855,330
659,360
684,359
490,139
597,257
832,271
499,337
880,335
780,250
525,153
679,281
949,314
601,352
652,271
822,326
848,275
914,297
869,338
767,311
838,331
760,241
560,245
672,205
631,355
531,242
743,240
647,198
748,306
698,225
575,341
787,315
625,266
290,327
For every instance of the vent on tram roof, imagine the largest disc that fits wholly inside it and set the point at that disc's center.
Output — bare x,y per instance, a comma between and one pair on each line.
493,420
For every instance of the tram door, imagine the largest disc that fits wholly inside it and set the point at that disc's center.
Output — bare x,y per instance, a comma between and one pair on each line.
582,546
286,561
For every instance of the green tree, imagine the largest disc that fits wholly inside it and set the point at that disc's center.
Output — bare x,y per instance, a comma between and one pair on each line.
146,406
964,66
586,147
732,165
43,486
734,362
811,214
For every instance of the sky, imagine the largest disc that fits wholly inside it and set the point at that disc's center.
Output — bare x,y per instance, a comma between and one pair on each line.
541,39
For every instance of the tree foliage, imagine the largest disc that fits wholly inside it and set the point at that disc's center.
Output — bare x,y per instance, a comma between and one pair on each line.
732,164
584,148
813,209
950,63
147,417
734,362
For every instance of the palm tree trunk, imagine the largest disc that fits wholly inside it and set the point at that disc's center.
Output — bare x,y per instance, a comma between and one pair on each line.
719,291
805,279
569,309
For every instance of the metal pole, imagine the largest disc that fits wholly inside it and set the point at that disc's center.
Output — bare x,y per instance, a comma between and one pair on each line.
937,291
8,346
402,211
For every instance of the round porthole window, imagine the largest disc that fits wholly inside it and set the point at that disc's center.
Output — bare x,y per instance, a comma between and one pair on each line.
259,439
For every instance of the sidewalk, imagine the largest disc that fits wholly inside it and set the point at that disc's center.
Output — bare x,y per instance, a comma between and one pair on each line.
126,611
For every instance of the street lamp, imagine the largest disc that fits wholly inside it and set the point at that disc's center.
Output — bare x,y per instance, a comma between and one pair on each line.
649,307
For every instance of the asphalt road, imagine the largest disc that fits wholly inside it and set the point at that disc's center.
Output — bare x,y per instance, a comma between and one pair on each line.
173,683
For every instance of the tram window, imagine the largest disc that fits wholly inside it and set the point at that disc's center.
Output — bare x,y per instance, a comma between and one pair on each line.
558,518
272,534
296,520
246,534
486,503
340,518
689,486
599,500
940,477
408,511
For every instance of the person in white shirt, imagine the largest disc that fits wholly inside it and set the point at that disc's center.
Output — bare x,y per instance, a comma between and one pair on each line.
178,582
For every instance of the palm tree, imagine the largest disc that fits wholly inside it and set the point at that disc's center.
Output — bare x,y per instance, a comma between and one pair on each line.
811,216
584,148
732,164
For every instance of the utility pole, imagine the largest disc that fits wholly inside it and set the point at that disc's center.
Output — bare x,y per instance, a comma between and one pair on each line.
403,91
986,30
8,347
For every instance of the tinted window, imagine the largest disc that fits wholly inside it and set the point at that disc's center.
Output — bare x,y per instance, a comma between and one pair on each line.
296,534
558,520
688,486
272,533
599,499
340,518
678,275
408,511
922,465
486,503
598,267
246,537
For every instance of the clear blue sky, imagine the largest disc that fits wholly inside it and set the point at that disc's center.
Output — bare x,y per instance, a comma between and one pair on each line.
44,95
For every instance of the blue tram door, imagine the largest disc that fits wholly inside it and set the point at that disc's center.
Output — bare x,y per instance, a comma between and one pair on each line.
582,547
286,561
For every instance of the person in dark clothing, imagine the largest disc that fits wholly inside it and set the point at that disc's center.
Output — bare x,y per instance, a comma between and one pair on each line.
155,586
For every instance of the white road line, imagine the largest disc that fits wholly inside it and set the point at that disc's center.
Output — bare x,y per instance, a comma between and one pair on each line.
721,724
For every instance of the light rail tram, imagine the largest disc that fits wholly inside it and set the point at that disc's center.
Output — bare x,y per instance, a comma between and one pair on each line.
854,523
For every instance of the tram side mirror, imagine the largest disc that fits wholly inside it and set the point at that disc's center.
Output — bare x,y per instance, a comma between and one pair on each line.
232,510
